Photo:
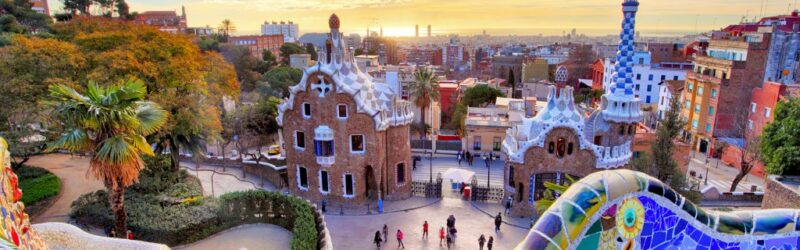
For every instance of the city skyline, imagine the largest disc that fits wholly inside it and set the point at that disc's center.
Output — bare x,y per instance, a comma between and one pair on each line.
398,17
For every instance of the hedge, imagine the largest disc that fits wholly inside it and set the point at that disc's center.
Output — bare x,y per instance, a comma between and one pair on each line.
37,184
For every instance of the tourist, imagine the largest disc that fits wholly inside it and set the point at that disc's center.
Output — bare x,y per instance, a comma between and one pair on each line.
324,206
425,230
449,241
386,232
481,241
441,236
400,239
497,221
459,155
377,239
129,235
469,158
490,243
453,232
451,222
462,187
508,205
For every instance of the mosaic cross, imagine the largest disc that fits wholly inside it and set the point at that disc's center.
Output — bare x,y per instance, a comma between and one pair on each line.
322,86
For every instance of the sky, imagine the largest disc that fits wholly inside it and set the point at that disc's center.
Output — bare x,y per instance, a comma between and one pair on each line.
497,17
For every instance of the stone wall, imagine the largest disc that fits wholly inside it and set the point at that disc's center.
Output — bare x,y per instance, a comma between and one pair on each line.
780,195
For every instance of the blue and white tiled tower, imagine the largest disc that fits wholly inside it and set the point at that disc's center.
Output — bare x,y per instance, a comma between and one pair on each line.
619,104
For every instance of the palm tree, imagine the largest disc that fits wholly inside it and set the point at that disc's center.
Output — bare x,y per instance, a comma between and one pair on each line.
110,123
424,89
226,28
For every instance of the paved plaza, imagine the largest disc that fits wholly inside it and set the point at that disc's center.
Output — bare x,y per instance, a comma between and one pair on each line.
442,163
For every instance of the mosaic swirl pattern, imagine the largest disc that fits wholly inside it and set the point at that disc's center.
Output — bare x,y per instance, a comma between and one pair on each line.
623,209
16,228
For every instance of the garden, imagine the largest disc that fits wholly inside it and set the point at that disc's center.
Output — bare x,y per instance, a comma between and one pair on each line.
168,207
39,184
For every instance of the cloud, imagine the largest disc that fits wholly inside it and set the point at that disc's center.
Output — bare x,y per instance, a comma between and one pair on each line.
304,5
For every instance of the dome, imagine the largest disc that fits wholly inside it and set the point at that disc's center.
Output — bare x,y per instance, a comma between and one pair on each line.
333,22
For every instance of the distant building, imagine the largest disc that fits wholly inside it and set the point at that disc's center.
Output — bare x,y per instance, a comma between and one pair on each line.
289,30
367,61
200,31
485,128
258,43
424,55
416,30
502,66
167,21
300,61
448,97
535,70
352,41
429,30
598,74
647,75
668,90
385,48
40,6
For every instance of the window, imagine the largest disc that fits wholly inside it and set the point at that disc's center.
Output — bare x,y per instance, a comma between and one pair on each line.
302,178
299,140
647,100
699,90
622,130
767,111
690,86
496,143
341,109
749,124
650,77
401,173
476,143
688,104
708,128
694,124
641,60
511,175
551,147
649,88
561,147
662,100
639,76
306,110
713,93
710,110
697,108
637,87
323,148
324,185
753,107
569,148
675,78
663,77
349,185
357,143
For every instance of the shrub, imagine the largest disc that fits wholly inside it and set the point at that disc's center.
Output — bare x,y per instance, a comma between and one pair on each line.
39,188
29,172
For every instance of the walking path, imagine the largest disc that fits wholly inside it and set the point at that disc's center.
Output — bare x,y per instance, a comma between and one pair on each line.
72,170
720,175
225,180
442,163
245,237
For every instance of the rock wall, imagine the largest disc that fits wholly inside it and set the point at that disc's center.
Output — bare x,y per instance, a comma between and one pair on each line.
779,195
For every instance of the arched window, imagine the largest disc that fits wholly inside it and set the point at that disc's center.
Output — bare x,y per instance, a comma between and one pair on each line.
520,192
561,147
621,129
401,173
551,147
632,129
569,148
511,175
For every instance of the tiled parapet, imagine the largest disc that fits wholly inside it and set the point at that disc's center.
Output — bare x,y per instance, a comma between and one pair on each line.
623,209
15,225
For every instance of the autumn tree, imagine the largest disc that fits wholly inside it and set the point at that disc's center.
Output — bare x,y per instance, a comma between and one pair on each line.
245,65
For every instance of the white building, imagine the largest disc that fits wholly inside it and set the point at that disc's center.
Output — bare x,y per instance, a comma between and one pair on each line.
668,90
647,76
290,30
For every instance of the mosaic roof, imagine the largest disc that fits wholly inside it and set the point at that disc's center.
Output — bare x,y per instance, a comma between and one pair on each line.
16,226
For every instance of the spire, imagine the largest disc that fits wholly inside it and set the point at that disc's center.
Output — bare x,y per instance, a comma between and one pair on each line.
561,77
619,102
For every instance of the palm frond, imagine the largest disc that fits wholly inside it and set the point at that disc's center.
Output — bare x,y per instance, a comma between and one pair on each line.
150,116
140,143
75,141
116,150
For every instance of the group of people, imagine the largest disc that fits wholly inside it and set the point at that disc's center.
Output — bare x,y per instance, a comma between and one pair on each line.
470,158
446,236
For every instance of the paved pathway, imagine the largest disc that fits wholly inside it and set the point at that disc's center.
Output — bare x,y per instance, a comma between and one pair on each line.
74,182
721,176
245,237
442,163
229,180
357,232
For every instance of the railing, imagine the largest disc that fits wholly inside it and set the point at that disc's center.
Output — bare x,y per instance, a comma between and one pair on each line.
326,160
427,189
616,156
493,194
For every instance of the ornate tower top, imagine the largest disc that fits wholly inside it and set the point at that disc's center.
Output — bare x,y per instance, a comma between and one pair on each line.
561,74
333,22
619,102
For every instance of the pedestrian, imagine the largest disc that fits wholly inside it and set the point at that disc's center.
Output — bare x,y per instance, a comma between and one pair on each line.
469,158
508,205
377,239
459,155
441,236
324,206
449,241
130,235
385,233
481,241
487,162
425,230
462,187
490,243
113,233
453,232
497,221
400,239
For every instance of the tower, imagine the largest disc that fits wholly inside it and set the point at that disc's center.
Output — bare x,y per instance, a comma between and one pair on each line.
381,31
619,104
429,30
416,30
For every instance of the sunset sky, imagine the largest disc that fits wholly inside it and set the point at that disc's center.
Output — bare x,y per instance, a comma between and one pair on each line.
498,17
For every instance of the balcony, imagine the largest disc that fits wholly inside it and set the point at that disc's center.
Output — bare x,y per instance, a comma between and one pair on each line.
706,78
326,160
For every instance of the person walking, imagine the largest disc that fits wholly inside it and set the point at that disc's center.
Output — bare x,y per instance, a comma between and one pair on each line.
400,239
497,221
460,157
453,232
468,157
425,230
129,235
386,233
449,241
377,240
481,241
441,236
490,243
508,205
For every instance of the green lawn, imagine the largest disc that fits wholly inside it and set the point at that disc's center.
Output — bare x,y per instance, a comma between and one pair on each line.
37,184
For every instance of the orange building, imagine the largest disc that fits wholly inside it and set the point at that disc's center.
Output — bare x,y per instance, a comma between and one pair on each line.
167,21
40,6
258,43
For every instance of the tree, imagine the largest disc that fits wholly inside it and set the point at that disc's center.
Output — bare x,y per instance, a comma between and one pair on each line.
226,27
75,6
17,17
279,79
110,123
780,141
311,50
289,49
424,89
268,61
259,121
358,52
660,164
477,96
580,62
512,83
750,147
245,64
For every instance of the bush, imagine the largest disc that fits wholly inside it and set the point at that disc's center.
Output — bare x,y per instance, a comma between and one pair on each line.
37,184
29,172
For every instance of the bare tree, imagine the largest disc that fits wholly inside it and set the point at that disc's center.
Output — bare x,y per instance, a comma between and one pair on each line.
750,147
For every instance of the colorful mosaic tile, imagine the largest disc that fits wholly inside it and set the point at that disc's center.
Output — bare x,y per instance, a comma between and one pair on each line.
15,226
